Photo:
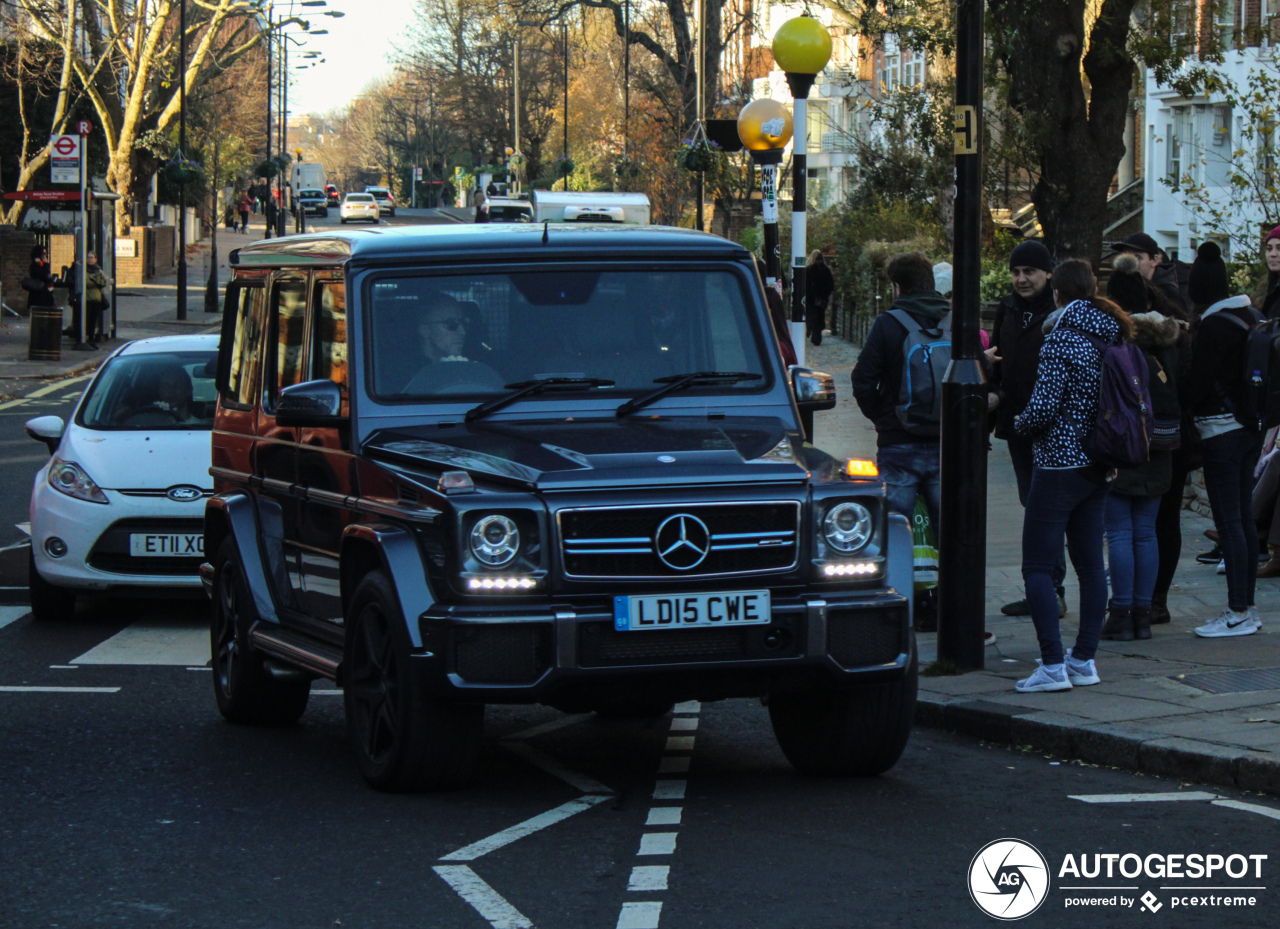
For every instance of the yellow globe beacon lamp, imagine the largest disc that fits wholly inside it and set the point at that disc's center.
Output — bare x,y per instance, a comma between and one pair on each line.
802,48
765,127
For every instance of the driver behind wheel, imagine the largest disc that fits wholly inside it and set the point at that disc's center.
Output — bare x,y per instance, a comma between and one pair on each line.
443,333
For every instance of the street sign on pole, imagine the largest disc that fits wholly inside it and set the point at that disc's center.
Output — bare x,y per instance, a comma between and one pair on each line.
64,159
84,127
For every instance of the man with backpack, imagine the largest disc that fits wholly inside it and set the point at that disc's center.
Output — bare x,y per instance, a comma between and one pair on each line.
1230,414
897,382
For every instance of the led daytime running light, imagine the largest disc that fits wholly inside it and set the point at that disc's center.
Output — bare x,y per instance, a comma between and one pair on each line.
861,568
502,583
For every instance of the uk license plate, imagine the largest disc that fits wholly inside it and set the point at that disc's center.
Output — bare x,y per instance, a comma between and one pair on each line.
165,544
692,611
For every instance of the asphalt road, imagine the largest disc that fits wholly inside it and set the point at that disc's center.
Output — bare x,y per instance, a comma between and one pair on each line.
127,801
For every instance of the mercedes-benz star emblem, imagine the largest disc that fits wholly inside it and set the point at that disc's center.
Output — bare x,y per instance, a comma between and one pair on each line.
682,541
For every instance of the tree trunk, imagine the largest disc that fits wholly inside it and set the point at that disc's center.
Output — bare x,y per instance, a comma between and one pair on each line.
1078,133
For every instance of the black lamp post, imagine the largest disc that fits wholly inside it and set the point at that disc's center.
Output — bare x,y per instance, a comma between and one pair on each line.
182,168
564,29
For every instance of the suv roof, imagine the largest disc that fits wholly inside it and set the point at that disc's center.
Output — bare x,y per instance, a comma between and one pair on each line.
563,241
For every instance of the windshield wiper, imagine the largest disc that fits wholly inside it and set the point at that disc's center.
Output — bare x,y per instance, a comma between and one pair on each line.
524,389
680,382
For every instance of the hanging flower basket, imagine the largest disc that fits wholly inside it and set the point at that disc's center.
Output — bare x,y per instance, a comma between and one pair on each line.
564,167
266,168
627,168
698,156
183,171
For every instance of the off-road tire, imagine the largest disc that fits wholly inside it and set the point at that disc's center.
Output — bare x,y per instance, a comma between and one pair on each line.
245,690
404,739
49,602
845,733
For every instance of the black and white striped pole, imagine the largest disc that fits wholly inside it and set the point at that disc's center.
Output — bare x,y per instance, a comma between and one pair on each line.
765,128
802,48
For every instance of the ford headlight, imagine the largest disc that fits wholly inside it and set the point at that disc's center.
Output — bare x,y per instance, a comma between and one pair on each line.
848,527
495,540
69,478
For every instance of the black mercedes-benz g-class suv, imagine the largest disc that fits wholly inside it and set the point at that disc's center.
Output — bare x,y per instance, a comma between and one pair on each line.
463,465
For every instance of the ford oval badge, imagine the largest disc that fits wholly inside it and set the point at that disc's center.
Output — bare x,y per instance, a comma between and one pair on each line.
184,493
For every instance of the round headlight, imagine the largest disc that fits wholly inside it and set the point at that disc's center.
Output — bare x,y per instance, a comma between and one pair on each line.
847,527
495,540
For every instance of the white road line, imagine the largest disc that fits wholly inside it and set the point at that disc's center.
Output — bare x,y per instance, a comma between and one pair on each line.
1144,798
151,642
657,843
23,544
528,827
689,706
649,877
684,723
669,790
556,769
676,764
543,728
64,667
664,816
11,614
24,528
487,902
640,915
326,693
1248,807
679,743
59,690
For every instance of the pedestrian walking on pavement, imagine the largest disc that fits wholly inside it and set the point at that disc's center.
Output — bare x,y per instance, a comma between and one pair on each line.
1231,447
1017,336
1155,267
243,207
819,285
1068,492
1133,506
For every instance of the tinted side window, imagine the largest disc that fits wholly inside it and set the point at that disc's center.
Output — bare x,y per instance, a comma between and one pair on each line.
289,315
329,351
244,369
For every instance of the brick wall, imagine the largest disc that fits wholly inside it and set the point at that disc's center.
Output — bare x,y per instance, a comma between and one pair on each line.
62,251
130,271
15,260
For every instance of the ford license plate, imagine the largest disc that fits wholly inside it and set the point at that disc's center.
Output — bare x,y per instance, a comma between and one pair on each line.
166,544
704,610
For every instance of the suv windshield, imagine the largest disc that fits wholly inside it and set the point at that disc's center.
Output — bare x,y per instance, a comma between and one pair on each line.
472,335
312,194
170,390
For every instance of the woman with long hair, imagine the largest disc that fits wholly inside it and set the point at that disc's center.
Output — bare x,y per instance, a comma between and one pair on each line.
1068,492
1271,250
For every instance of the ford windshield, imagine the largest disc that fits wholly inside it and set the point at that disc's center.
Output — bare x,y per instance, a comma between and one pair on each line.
472,335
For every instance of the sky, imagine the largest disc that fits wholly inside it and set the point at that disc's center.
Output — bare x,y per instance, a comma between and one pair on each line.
358,48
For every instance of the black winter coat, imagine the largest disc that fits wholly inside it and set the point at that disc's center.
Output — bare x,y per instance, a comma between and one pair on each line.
1216,382
41,271
1018,346
1158,338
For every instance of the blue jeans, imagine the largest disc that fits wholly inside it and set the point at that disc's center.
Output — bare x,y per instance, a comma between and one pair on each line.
1022,458
1068,504
909,470
1133,553
1229,460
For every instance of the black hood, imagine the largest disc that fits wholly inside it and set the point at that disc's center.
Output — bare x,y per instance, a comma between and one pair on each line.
565,454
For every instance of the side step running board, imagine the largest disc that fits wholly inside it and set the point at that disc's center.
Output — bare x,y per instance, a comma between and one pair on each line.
304,652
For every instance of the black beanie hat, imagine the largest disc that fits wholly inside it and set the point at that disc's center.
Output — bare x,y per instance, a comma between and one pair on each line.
1127,287
1208,282
1031,254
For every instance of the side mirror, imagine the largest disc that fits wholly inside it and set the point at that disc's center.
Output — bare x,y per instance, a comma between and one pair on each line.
814,390
47,429
311,403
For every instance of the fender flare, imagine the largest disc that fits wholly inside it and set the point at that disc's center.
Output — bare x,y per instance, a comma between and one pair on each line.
902,561
233,514
394,549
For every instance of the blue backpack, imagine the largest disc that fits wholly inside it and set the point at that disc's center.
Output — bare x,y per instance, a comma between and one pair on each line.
1121,435
926,353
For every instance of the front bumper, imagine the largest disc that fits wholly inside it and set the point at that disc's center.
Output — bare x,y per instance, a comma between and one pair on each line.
572,656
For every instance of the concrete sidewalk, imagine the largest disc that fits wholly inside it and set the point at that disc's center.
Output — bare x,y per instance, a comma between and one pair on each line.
1206,710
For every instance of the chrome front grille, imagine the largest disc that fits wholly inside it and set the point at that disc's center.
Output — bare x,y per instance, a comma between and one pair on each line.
730,538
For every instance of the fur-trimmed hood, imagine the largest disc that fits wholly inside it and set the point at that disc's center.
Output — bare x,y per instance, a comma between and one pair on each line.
1155,330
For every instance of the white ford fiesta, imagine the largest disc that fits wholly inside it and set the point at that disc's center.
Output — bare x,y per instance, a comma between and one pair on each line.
120,505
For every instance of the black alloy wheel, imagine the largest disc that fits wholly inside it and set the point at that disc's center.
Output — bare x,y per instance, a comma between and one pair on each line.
245,689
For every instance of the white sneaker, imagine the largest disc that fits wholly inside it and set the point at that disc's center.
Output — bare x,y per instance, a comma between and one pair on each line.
1228,623
1046,677
1257,618
1081,673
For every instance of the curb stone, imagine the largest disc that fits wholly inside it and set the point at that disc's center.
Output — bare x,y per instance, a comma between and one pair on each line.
1133,749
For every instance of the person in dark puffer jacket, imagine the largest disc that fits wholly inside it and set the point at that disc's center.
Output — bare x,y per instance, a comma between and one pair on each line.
1133,552
1068,490
1216,389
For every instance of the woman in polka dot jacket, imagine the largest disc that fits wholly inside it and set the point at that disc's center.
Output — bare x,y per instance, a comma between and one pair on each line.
1068,491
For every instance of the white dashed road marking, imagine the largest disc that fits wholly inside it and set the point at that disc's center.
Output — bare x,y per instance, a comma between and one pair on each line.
1172,796
528,827
487,902
58,690
151,642
10,614
640,915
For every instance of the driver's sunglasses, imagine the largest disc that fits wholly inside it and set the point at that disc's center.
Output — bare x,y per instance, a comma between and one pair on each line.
453,325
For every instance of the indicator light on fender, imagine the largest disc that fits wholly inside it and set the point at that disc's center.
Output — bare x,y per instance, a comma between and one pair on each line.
860,467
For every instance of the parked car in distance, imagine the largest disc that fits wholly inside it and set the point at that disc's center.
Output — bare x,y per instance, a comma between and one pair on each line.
358,206
332,197
510,210
119,506
461,465
386,201
313,201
